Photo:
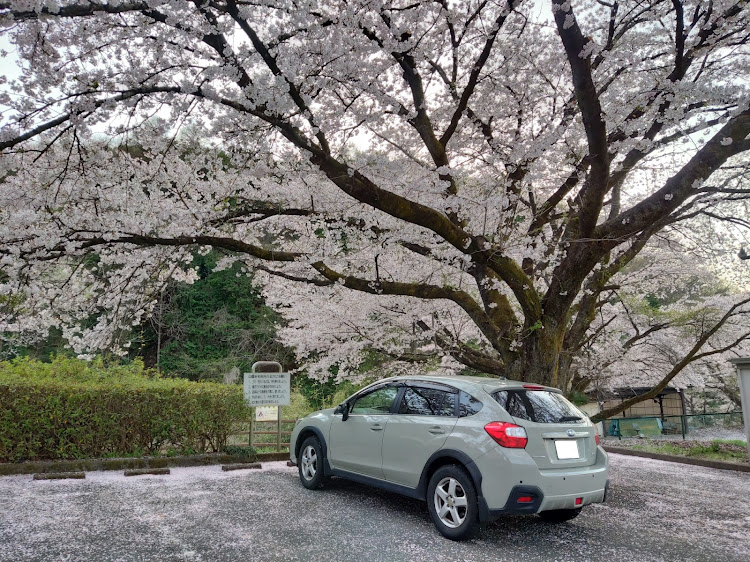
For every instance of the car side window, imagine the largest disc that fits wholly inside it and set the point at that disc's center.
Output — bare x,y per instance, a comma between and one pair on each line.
428,402
376,402
468,405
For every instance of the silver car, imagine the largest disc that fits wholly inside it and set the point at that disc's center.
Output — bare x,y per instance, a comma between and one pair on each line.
474,448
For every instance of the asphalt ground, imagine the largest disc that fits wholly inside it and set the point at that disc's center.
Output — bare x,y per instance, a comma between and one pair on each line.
656,511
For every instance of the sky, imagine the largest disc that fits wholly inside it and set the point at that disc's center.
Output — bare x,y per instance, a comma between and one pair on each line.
9,69
8,64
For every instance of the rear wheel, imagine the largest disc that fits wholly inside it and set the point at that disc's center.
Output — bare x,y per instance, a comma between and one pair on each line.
560,515
452,503
310,463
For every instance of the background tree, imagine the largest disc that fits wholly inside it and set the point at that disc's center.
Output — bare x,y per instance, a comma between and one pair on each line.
472,172
649,333
218,323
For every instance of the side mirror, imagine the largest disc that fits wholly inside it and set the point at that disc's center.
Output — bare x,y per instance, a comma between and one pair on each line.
342,409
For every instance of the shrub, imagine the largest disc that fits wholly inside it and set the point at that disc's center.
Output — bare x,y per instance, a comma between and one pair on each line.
249,453
71,409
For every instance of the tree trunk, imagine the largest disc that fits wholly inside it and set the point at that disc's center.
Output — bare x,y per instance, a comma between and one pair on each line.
539,361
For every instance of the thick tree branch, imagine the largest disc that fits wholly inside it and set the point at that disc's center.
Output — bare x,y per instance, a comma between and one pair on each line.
418,290
77,10
592,194
726,143
270,61
258,211
466,355
472,358
294,278
87,108
81,241
476,70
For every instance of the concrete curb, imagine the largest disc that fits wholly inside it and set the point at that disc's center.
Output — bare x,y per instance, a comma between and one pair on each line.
89,465
60,476
674,458
241,466
144,471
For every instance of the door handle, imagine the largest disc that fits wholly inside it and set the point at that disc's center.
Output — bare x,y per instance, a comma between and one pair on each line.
376,427
437,431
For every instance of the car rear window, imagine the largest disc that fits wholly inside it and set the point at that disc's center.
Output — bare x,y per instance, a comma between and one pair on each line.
539,406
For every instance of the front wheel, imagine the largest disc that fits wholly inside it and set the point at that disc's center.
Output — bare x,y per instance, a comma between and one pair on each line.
310,464
560,515
452,503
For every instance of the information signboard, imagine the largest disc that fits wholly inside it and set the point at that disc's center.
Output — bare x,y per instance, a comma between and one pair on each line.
266,413
267,389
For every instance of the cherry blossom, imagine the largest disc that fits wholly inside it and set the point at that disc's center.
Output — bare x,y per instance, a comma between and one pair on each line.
461,179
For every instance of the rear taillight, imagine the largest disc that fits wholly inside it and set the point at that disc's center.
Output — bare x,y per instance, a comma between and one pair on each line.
507,434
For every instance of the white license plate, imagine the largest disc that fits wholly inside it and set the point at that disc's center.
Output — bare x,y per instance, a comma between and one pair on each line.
567,449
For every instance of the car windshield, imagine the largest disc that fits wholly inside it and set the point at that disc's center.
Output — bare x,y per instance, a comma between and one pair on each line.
539,406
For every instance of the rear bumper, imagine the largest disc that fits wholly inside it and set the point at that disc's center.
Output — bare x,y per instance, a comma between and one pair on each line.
526,500
524,489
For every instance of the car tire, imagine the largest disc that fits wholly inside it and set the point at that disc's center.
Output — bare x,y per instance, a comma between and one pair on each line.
452,503
310,464
560,515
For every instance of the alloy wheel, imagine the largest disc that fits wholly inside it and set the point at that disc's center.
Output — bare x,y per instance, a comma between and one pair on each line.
309,462
451,503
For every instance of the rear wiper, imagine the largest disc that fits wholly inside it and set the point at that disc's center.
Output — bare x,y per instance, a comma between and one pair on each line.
569,419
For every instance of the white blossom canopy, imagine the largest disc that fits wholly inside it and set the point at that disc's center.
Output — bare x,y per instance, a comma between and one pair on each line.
472,175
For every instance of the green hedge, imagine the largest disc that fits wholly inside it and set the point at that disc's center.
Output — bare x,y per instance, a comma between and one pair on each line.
70,409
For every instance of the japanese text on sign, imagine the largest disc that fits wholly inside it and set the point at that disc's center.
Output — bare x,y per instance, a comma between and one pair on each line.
267,389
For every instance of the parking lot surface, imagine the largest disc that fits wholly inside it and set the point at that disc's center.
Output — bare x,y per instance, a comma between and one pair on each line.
656,511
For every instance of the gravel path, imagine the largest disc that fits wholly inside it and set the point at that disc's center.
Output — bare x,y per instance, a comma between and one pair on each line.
656,511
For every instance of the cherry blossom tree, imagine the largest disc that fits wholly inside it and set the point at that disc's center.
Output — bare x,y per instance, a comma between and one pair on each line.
474,177
690,324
